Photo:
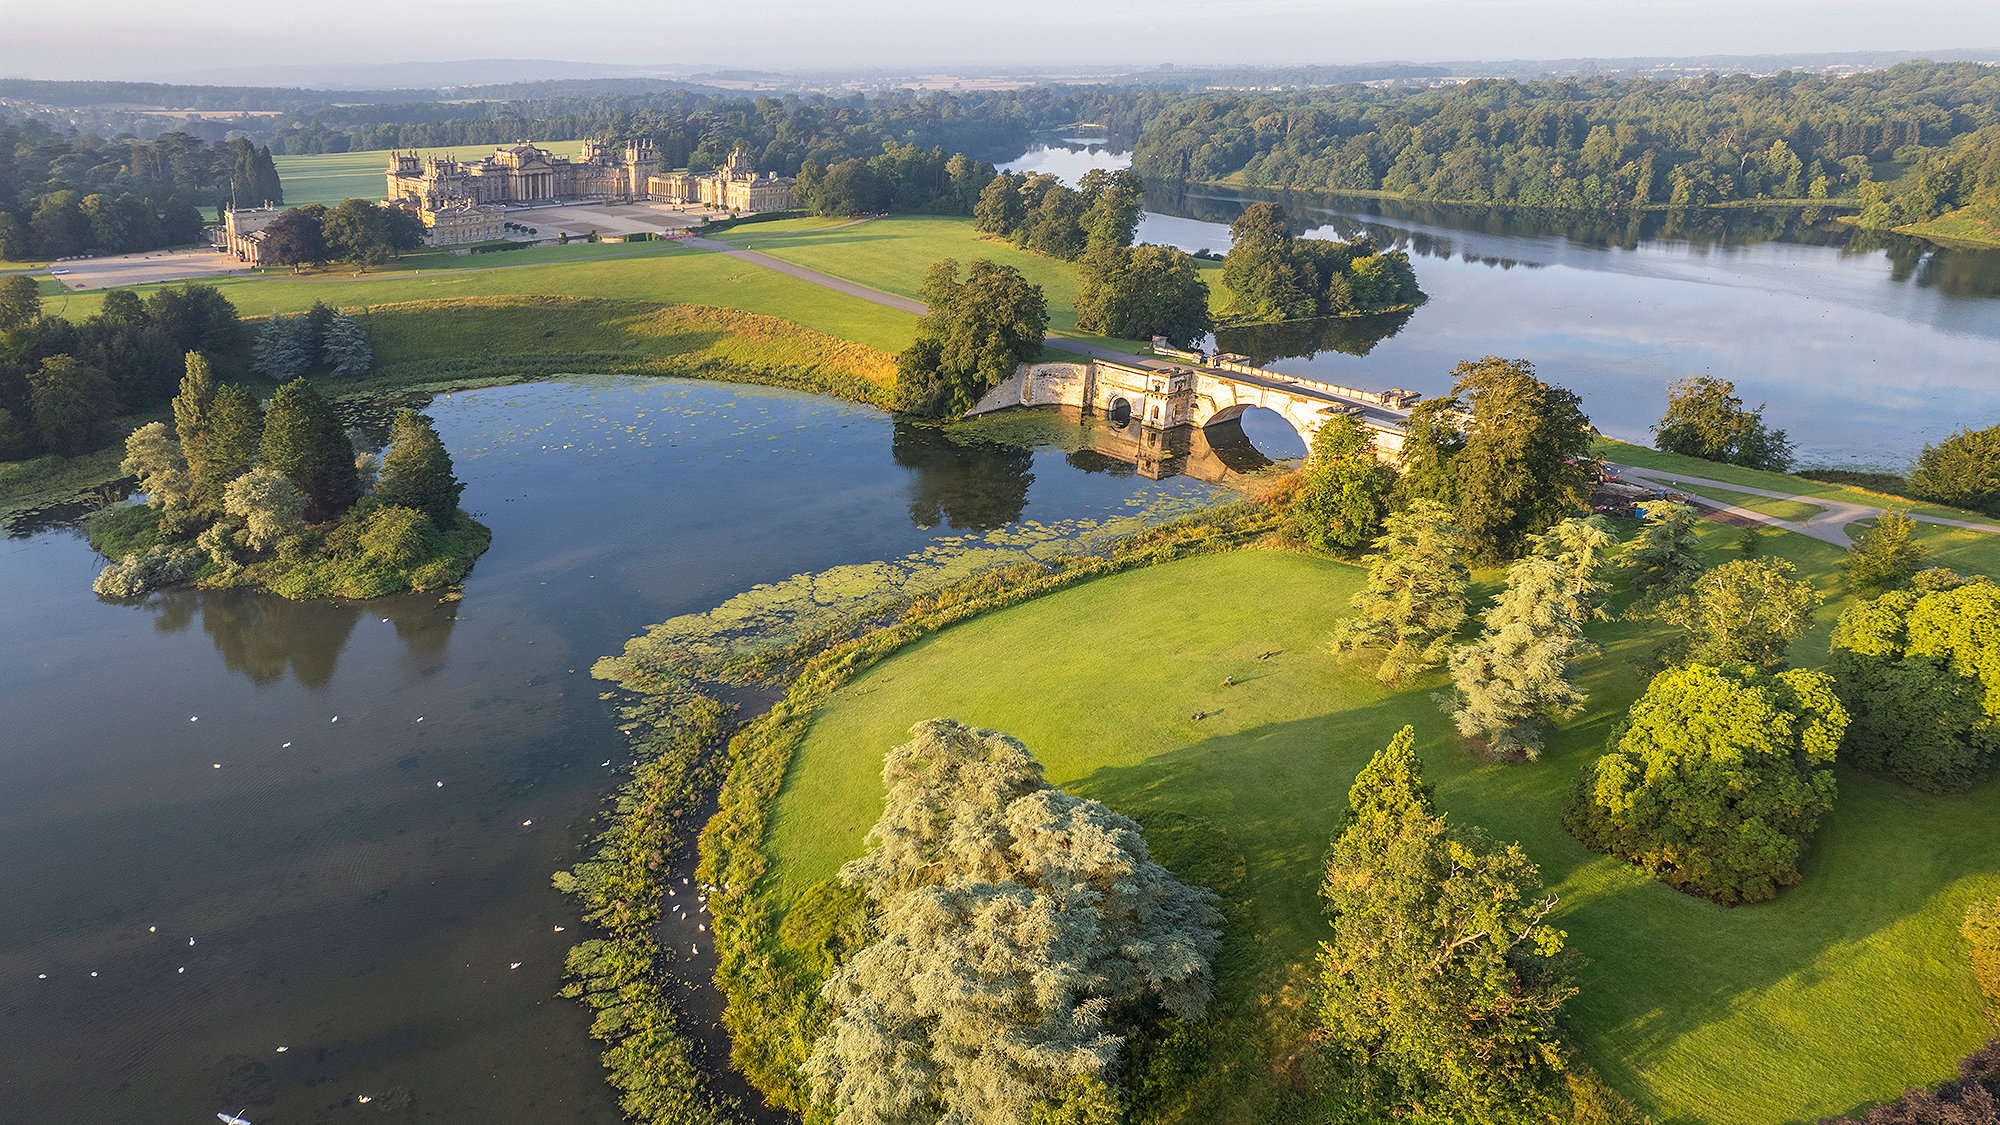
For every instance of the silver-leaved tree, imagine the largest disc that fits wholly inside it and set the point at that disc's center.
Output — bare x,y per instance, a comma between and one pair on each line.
1016,924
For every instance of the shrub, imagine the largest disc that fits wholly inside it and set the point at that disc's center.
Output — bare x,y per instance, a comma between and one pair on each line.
397,536
147,570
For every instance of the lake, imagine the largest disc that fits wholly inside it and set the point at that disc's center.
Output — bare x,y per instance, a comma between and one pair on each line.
281,856
1865,346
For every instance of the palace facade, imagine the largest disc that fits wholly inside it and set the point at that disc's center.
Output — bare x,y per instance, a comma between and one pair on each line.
524,174
734,187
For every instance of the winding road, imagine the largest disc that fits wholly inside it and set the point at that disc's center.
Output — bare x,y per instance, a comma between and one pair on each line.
1828,526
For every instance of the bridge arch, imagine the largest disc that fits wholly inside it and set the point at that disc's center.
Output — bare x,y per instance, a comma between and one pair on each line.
1259,430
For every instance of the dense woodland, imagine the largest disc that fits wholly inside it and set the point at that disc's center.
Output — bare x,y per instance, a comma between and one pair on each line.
62,196
1925,135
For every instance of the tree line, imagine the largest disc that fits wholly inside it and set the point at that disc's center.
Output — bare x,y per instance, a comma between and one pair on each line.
61,196
1906,143
63,384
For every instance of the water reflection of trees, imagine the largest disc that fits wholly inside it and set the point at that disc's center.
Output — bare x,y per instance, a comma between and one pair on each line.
970,485
263,636
1953,271
1348,335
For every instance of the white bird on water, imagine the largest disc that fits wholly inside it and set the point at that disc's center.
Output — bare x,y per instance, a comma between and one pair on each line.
236,1118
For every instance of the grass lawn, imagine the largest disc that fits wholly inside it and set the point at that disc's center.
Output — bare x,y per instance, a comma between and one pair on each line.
1795,510
331,177
1625,453
672,275
1841,992
1958,227
892,255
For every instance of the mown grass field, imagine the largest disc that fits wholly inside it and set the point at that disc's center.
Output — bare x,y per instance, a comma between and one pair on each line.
668,276
1796,511
331,177
892,255
1841,992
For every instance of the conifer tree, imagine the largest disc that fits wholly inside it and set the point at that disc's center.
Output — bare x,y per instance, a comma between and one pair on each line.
304,441
280,354
235,434
1516,679
1016,924
1441,986
1582,548
345,349
1663,557
1887,555
416,470
191,423
1415,602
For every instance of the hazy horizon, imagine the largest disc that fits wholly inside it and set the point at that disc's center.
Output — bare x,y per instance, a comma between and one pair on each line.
172,40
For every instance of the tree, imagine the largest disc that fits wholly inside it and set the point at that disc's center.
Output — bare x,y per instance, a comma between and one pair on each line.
1963,470
1919,673
20,302
976,332
346,350
193,406
1581,547
281,353
195,318
1140,292
1340,498
999,208
1016,925
1526,461
1744,612
1055,230
1442,985
154,457
1115,199
1511,684
1887,555
1717,780
235,434
297,237
1415,601
417,471
72,405
1663,557
271,507
304,441
1705,419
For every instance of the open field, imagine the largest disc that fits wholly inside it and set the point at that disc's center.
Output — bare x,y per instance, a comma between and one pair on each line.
670,275
892,255
331,177
1841,992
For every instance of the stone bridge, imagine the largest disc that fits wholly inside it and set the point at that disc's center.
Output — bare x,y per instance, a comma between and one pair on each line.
1162,395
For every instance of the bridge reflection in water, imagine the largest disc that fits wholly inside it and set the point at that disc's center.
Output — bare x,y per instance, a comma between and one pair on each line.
1219,453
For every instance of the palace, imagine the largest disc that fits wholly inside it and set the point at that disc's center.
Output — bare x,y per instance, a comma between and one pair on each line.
525,174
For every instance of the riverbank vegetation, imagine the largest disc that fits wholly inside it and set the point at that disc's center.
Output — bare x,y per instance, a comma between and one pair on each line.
1900,146
978,329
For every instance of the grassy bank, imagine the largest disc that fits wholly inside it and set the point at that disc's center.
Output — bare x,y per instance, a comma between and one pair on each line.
1841,992
1957,228
1625,453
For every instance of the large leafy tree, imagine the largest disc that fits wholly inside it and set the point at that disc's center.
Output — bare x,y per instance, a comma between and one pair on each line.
1509,686
1919,672
1140,292
1717,780
1442,985
1524,463
1705,419
20,302
303,440
153,457
1415,601
976,331
195,318
1341,494
1015,922
417,471
1962,470
1114,198
72,404
1744,612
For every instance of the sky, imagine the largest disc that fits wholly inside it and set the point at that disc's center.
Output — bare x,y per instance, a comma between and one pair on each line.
176,39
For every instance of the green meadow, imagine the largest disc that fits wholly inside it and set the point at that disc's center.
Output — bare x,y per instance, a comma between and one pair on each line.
1841,992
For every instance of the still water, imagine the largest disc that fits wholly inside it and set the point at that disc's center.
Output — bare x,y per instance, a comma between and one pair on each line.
1865,346
282,856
